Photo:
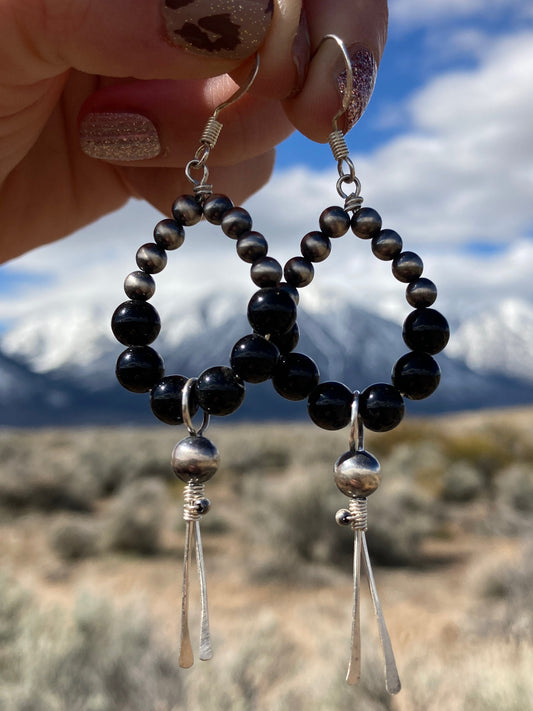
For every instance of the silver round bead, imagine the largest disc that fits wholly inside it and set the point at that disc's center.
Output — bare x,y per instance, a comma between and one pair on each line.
366,223
315,246
202,505
251,247
357,474
186,210
139,285
299,272
215,207
334,221
266,272
421,293
386,245
195,459
343,517
407,267
236,222
151,258
168,234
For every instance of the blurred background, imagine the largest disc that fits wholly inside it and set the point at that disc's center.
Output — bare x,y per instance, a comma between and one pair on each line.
90,516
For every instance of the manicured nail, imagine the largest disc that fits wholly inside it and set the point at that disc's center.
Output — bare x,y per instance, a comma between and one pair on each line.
364,68
218,28
119,136
301,54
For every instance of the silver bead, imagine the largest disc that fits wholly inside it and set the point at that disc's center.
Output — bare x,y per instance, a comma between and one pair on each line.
299,272
407,267
387,245
266,272
343,517
202,505
151,258
215,207
334,221
357,473
421,293
366,223
186,210
168,234
315,246
139,285
251,247
236,222
195,459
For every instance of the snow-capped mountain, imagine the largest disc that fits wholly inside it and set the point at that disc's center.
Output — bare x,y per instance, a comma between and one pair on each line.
61,370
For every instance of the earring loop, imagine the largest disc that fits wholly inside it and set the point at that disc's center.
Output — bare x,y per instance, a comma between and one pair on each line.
348,94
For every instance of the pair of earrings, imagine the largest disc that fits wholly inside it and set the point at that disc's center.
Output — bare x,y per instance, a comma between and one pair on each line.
268,354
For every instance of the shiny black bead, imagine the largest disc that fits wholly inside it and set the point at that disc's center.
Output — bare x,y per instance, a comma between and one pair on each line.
168,234
219,390
416,375
253,358
299,272
236,222
135,323
421,293
151,258
251,246
315,246
266,272
366,223
215,207
286,342
295,376
166,397
291,290
139,285
334,221
271,311
426,330
381,407
187,210
330,405
139,368
387,244
407,267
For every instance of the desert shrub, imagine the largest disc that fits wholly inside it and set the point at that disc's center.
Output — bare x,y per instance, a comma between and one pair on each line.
136,518
75,538
481,450
514,487
100,659
461,483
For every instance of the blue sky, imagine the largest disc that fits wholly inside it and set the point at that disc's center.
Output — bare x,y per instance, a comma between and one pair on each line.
444,152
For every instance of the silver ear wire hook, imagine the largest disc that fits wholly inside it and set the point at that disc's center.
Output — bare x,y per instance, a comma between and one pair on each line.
348,94
209,138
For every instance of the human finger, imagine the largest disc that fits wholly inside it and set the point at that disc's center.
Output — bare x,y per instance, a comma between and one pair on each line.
362,26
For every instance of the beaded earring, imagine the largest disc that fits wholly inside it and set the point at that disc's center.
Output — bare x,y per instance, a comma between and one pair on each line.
268,353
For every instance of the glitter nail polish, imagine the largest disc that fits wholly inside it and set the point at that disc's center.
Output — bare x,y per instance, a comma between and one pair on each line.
119,136
218,28
364,68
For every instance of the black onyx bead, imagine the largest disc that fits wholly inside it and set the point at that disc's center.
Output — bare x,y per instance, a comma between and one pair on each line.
381,407
315,246
215,207
299,272
421,293
291,290
219,390
366,223
334,221
253,358
151,258
426,330
271,311
330,405
387,244
139,368
139,285
236,222
287,342
416,375
251,246
187,210
407,267
168,234
266,272
295,376
166,397
135,323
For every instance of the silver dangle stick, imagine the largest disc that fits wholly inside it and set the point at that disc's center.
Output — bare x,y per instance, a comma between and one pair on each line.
194,460
357,475
392,679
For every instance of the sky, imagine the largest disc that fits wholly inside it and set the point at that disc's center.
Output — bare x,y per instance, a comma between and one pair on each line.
444,153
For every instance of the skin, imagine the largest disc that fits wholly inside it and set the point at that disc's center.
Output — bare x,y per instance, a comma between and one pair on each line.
62,59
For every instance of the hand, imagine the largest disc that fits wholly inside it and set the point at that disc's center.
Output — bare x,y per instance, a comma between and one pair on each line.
101,101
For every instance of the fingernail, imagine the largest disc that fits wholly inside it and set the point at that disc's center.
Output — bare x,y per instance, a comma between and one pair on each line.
364,68
119,136
218,28
301,54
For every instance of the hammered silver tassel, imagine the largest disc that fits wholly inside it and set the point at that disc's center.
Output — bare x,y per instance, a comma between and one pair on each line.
357,475
194,460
